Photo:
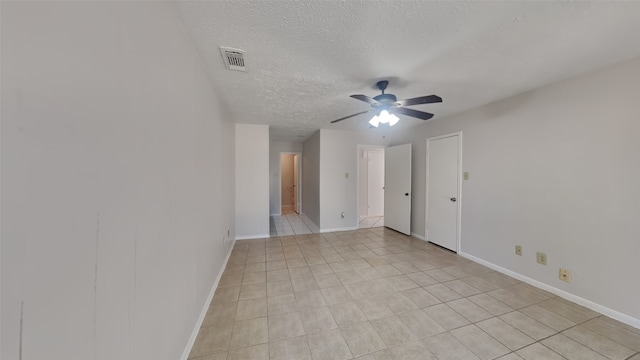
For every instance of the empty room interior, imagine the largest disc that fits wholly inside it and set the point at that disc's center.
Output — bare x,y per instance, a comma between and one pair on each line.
208,180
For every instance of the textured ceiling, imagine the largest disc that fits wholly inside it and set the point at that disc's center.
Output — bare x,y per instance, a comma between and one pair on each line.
304,58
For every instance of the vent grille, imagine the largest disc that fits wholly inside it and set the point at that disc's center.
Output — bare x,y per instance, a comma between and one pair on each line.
233,59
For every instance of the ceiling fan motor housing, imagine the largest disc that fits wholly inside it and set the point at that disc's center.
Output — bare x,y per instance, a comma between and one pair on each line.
384,98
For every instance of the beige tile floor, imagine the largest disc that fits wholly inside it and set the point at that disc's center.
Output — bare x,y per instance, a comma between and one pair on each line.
375,294
291,223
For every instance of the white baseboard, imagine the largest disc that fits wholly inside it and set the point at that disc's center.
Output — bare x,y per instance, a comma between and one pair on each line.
203,312
258,236
629,320
418,236
339,229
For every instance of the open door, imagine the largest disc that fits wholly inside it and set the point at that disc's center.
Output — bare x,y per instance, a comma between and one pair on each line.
397,188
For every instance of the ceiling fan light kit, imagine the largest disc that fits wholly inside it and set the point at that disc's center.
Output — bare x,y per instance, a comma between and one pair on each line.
385,105
384,118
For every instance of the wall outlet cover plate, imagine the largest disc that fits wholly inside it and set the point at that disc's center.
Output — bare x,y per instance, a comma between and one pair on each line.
519,250
541,258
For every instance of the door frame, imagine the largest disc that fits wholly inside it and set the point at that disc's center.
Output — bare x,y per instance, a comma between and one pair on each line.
299,178
362,147
459,195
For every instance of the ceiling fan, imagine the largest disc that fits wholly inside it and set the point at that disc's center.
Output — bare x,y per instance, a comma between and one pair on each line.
387,105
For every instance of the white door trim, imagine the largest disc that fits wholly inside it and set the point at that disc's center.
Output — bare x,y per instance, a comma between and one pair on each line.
459,195
280,177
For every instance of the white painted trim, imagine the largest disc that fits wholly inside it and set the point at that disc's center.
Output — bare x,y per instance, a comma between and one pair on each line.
277,214
203,312
418,236
257,236
629,320
459,202
351,228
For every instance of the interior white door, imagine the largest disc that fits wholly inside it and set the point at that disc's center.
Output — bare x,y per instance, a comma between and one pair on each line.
397,188
375,182
443,197
296,202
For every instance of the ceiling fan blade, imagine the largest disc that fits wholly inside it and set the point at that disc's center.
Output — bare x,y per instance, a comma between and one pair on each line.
346,117
420,100
414,113
366,99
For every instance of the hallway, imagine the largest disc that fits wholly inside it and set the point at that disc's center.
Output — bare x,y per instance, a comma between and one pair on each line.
290,223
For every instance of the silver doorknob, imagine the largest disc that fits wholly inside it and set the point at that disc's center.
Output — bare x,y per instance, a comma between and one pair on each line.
453,199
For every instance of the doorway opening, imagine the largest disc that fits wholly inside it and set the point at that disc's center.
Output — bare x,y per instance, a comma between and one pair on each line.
370,186
290,189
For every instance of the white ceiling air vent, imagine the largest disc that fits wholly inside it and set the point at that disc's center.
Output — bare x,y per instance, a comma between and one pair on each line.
233,58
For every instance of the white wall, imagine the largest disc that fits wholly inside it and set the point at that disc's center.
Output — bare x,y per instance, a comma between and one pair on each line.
117,182
555,170
311,178
275,148
339,155
252,181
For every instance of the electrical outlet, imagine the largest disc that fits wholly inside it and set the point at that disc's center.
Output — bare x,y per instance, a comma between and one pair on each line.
519,250
542,258
565,275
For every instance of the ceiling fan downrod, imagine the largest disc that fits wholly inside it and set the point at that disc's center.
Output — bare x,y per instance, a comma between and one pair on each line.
382,85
